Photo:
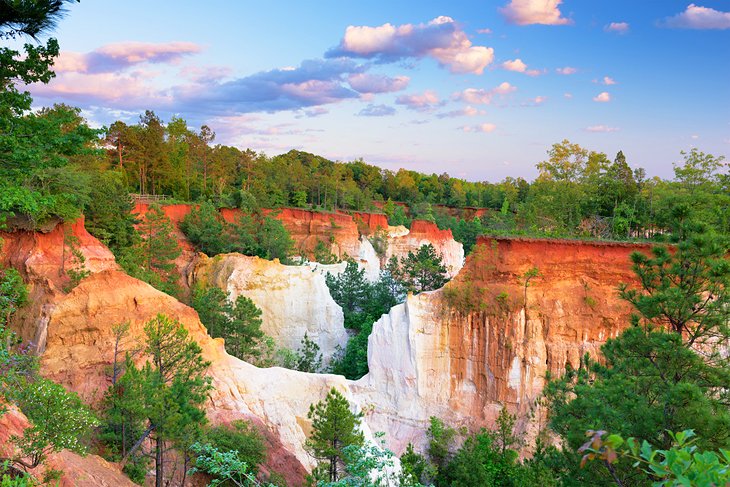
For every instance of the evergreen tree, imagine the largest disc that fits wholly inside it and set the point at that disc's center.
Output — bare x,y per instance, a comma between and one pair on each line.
205,229
239,323
171,388
309,359
334,427
159,247
667,372
423,270
242,332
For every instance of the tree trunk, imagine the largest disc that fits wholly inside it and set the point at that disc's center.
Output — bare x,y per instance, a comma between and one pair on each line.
159,464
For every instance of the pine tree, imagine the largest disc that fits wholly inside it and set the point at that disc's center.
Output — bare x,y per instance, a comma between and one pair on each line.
171,387
159,247
334,427
423,271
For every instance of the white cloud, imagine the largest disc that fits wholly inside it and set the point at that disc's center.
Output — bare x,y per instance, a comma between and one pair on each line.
602,129
479,96
442,39
483,127
518,66
607,80
373,83
467,111
423,102
618,27
484,31
568,95
602,97
696,17
567,70
515,65
526,12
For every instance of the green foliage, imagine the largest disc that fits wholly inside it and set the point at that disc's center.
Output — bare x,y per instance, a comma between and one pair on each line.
441,439
682,464
243,439
334,428
653,380
422,271
323,254
166,395
225,467
308,357
203,226
238,323
369,465
59,421
108,212
362,303
152,258
686,290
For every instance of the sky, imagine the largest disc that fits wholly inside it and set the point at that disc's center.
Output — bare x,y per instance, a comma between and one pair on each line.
477,89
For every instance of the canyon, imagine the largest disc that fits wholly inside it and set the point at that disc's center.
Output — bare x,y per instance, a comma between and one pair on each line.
515,310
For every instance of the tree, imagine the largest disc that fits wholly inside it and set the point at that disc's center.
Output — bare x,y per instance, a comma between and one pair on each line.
334,427
205,229
238,323
686,289
30,18
423,270
225,467
309,359
349,289
59,421
242,438
665,373
682,464
171,386
159,246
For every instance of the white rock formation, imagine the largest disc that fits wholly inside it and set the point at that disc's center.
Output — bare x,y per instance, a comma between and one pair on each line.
294,300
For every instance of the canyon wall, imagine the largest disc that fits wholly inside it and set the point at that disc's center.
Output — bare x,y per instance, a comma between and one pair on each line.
294,300
343,234
487,340
73,331
78,471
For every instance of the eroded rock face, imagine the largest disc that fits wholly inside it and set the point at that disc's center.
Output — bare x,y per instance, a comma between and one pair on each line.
78,471
461,352
423,233
294,300
79,351
44,256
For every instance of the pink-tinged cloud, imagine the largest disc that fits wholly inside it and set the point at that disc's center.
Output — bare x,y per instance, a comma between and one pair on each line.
122,55
603,97
608,81
108,89
617,27
374,83
484,31
566,71
568,95
601,129
697,17
518,66
483,127
441,39
526,12
467,111
479,96
426,101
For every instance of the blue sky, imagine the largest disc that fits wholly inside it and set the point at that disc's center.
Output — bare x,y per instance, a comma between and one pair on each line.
478,89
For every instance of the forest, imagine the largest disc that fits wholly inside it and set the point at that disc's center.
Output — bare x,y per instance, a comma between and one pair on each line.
653,410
